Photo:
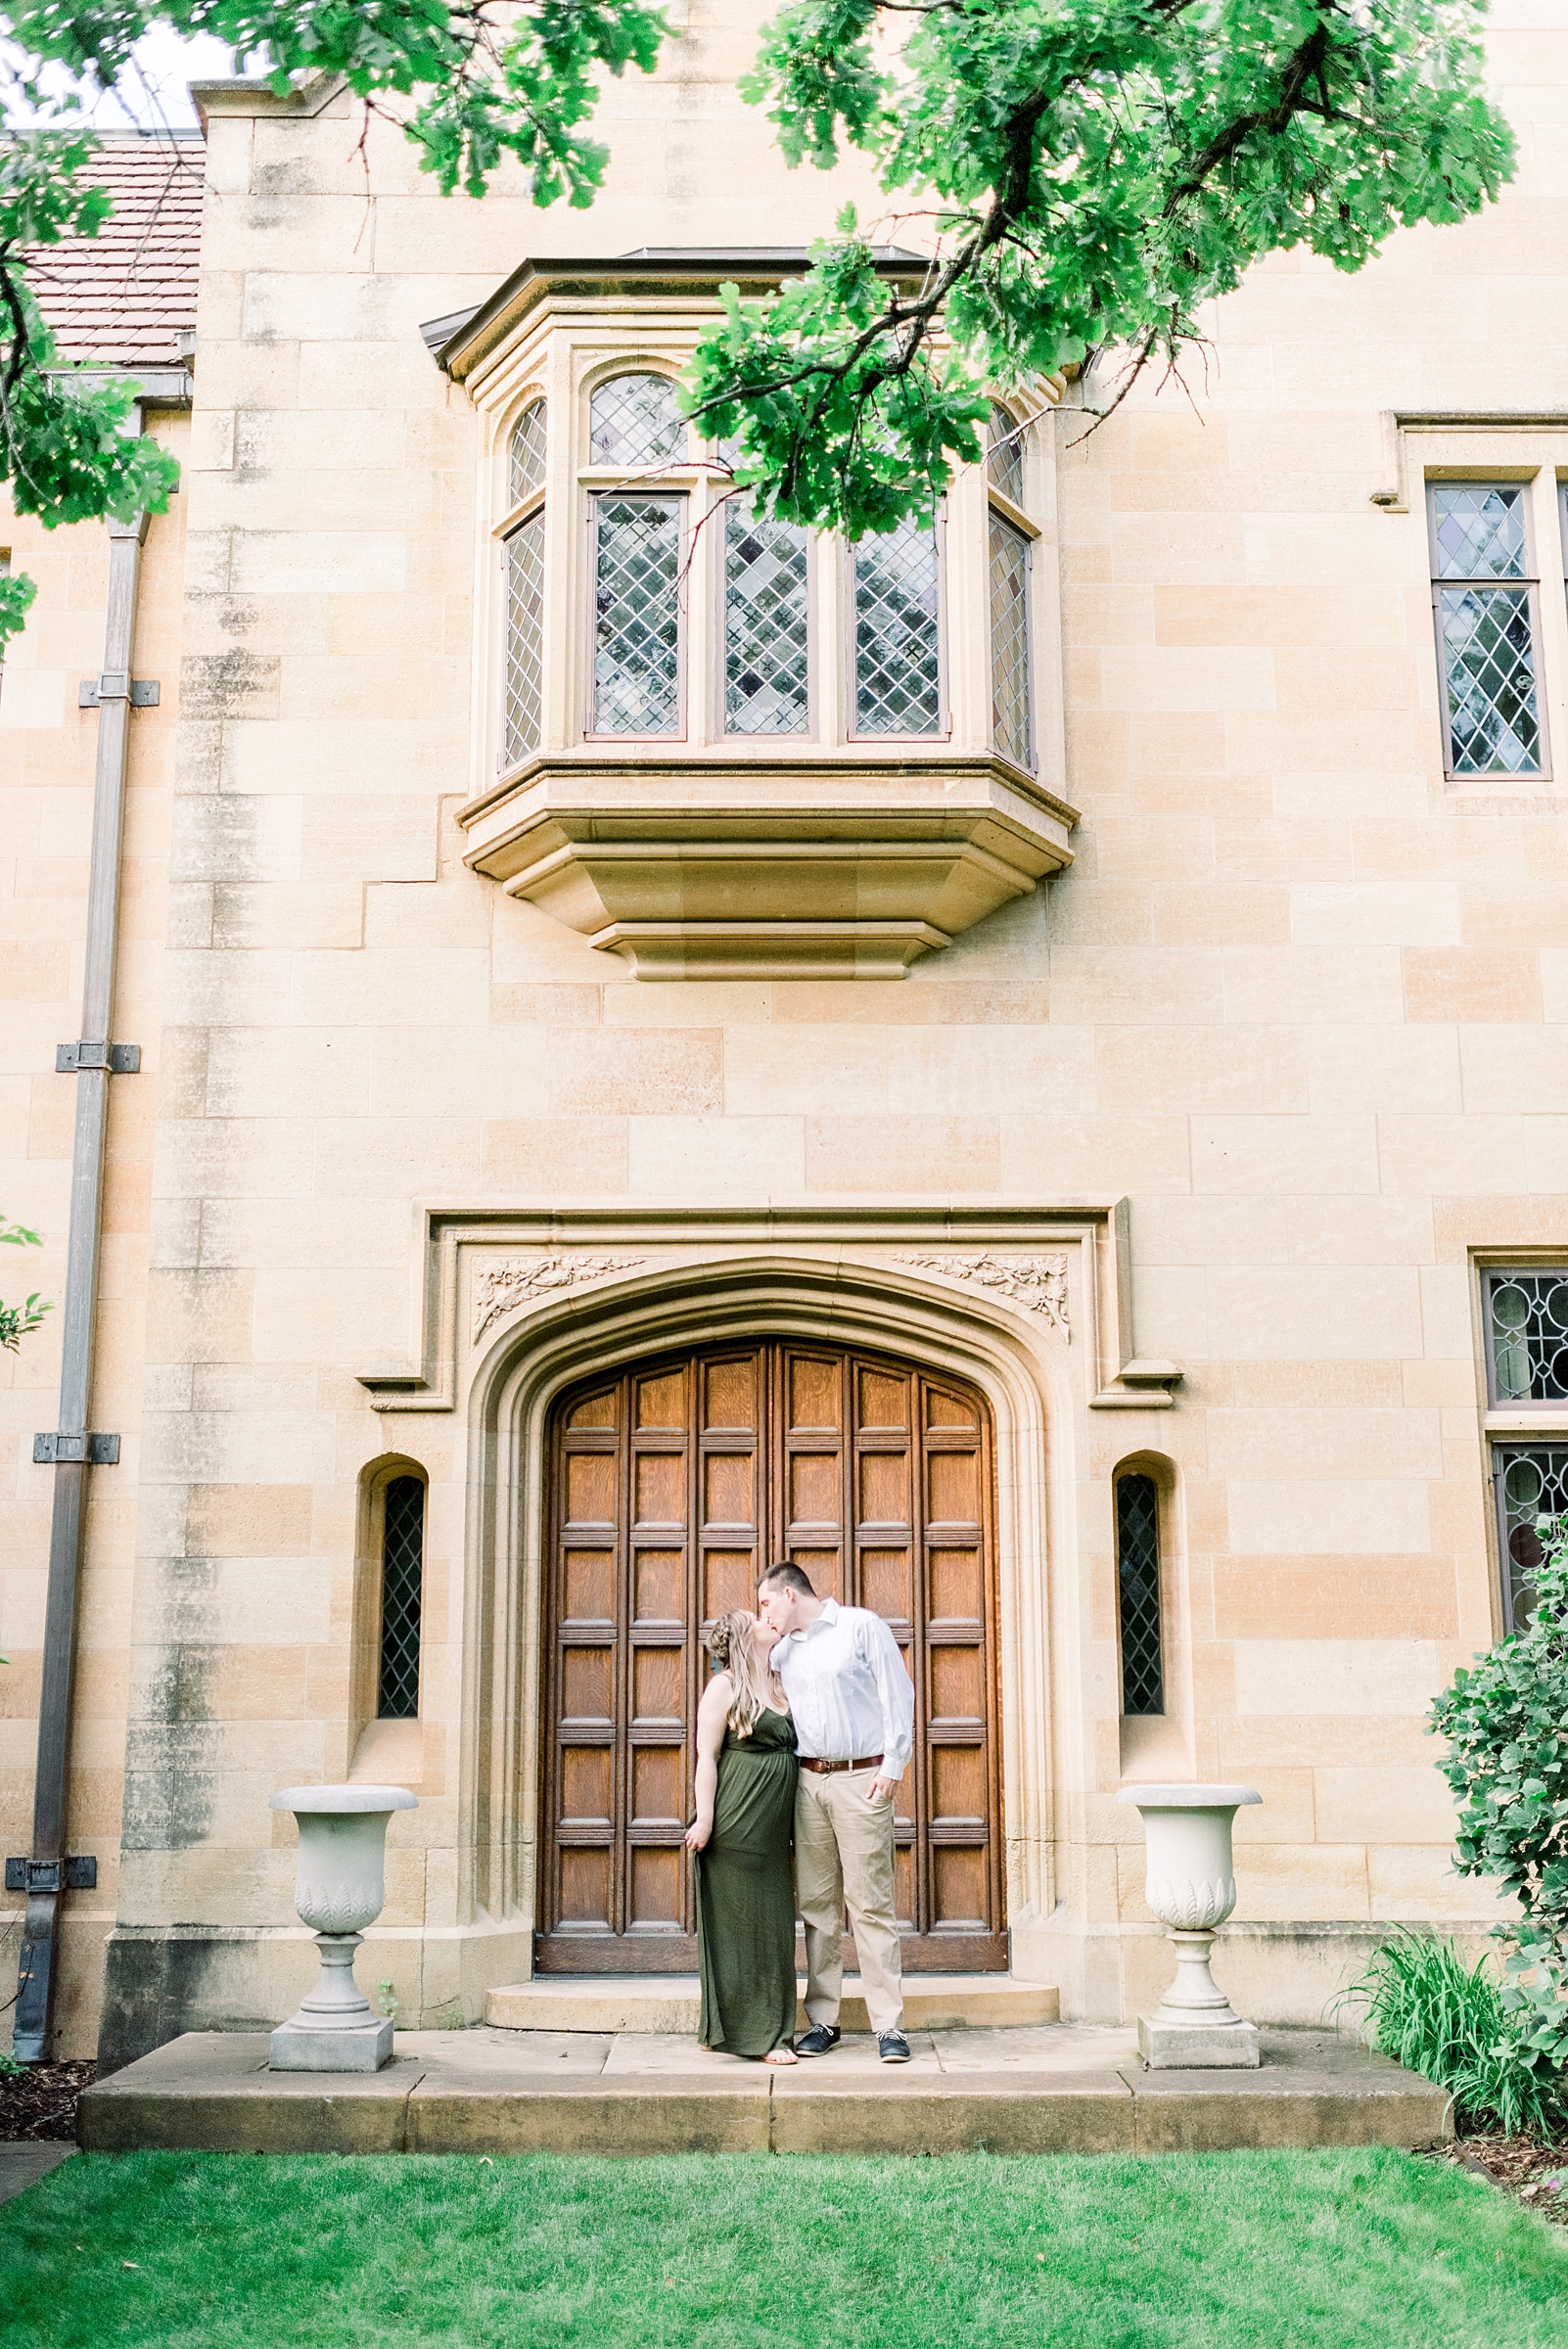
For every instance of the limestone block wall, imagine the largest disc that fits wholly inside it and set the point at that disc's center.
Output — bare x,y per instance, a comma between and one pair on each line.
1296,1001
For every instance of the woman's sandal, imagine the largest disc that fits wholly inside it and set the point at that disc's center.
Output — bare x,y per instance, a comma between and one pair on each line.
781,2055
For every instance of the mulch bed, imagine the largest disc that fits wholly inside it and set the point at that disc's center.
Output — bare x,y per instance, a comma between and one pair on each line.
41,2108
1534,2174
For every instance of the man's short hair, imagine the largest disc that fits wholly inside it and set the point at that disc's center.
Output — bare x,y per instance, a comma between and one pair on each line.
793,1578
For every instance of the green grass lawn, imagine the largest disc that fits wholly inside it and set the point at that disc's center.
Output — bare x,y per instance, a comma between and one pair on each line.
1210,2251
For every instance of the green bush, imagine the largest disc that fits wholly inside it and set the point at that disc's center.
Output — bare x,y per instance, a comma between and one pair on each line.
1447,2021
1506,1723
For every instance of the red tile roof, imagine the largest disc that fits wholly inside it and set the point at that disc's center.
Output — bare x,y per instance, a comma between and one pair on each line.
122,298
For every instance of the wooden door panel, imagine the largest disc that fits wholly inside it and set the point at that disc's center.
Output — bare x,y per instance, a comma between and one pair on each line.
658,1884
959,1796
585,1887
659,1587
958,1886
660,1485
658,1788
591,1586
729,1582
588,1682
662,1400
590,1488
887,1583
956,1581
729,1488
587,1779
673,1485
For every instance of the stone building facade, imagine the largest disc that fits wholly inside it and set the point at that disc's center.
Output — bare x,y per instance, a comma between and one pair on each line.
1022,1064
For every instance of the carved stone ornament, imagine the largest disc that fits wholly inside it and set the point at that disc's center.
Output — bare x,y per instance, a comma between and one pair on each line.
497,1288
1039,1282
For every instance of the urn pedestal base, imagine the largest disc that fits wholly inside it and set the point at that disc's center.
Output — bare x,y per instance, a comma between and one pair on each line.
1186,2046
339,2047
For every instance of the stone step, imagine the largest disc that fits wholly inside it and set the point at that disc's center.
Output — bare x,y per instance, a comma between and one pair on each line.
1046,2089
671,2003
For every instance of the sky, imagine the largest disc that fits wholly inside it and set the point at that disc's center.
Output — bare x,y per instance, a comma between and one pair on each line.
154,94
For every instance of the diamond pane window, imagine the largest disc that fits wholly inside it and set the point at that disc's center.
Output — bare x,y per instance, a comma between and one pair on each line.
1010,727
637,645
1005,461
766,632
528,453
1527,1323
1137,1571
1531,1489
525,639
633,421
402,1575
1479,528
897,668
1486,627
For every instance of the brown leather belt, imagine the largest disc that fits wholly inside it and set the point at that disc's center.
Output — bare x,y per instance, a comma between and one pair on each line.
825,1770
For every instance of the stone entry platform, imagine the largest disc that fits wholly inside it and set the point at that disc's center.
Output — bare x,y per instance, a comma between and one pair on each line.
1003,2089
644,2003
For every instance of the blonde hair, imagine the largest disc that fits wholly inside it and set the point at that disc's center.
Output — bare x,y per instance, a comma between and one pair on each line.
732,1649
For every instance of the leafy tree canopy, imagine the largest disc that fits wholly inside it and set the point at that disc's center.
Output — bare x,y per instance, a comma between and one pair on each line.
1090,172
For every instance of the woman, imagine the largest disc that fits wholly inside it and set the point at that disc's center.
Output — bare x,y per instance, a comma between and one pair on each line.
746,1771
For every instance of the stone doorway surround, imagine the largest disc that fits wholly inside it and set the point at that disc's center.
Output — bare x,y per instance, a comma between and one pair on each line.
1031,1306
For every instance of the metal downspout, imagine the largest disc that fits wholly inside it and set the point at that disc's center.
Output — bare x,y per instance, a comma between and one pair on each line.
72,1448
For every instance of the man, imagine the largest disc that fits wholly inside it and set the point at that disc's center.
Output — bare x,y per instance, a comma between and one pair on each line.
853,1710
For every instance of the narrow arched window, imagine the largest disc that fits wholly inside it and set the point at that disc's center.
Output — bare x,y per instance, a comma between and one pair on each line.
635,427
1013,717
1004,453
523,558
402,1575
1138,1578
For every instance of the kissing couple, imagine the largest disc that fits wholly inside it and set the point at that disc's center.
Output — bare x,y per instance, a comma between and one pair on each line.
804,1732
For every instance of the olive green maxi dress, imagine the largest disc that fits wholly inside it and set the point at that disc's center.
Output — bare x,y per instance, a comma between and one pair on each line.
746,1894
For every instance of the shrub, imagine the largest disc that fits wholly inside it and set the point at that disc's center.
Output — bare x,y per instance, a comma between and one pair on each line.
1447,2021
1506,1723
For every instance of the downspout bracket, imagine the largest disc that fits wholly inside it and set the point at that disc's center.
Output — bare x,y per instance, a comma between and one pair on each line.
120,1060
78,1873
99,1452
115,686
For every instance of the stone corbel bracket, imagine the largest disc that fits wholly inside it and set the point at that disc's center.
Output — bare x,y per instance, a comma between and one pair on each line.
481,1269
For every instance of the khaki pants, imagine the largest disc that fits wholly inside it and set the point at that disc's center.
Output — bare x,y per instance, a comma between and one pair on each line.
843,1857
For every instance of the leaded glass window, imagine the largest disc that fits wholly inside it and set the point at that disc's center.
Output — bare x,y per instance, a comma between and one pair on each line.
1527,1325
526,468
636,644
1010,717
1483,595
1531,1482
525,639
1005,460
898,664
1138,1573
633,421
766,678
402,1575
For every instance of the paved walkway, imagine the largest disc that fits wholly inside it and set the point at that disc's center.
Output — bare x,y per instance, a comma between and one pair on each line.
1049,2088
23,2165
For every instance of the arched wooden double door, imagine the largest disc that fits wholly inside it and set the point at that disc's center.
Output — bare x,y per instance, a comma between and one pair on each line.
672,1484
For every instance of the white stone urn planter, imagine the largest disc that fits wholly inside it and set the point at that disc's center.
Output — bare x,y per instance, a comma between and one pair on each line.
1191,1887
340,1890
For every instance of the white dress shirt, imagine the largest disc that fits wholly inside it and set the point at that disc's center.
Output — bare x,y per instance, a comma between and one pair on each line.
847,1689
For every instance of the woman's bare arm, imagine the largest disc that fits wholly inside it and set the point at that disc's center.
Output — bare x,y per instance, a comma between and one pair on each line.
711,1715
